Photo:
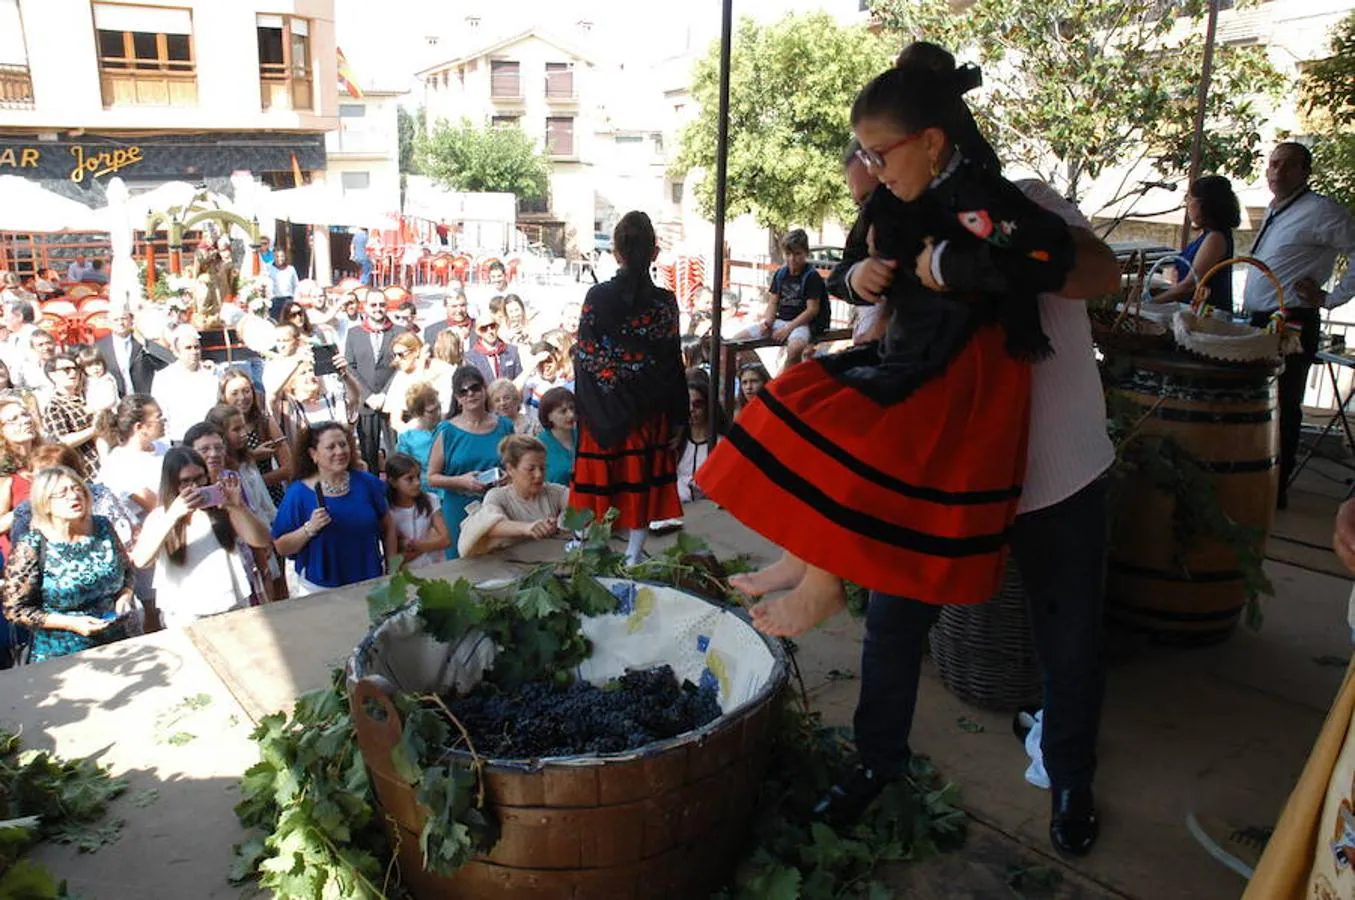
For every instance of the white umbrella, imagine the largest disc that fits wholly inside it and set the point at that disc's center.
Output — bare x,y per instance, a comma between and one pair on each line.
27,206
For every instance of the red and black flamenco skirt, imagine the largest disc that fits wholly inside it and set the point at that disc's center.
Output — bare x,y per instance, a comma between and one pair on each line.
638,476
913,499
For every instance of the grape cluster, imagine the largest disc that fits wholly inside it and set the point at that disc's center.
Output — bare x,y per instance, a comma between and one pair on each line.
542,718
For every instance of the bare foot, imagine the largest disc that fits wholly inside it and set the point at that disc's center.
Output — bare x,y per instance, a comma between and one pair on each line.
817,597
781,575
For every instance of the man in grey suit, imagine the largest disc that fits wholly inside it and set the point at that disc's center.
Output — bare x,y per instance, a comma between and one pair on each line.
368,351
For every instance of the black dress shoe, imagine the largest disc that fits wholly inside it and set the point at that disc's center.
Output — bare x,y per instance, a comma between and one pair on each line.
1073,828
845,802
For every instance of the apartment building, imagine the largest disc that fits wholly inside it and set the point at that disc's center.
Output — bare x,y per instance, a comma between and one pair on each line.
547,87
363,153
159,91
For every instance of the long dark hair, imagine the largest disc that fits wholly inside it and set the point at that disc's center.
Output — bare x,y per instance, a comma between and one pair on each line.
176,544
220,416
1219,208
116,425
702,387
398,466
634,241
307,439
924,90
285,318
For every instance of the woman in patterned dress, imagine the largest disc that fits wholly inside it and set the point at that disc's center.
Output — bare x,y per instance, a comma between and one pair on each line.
630,392
69,579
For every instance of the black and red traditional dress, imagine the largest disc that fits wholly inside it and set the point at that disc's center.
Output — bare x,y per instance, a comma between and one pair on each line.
630,395
898,464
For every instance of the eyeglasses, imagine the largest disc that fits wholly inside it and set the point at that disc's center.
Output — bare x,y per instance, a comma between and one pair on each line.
401,354
875,159
473,389
190,346
297,314
64,369
68,491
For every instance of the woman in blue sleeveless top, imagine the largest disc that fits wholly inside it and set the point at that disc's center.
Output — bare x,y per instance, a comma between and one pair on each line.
1213,208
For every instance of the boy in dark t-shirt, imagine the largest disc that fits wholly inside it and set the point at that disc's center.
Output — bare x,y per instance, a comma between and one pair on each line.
796,295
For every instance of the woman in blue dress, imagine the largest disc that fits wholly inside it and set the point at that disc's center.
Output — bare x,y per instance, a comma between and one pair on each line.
558,434
333,520
466,446
1213,208
69,580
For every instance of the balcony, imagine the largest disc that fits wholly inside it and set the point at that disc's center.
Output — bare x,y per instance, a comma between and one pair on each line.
16,87
280,88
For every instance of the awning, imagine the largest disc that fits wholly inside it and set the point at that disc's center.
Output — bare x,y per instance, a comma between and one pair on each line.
28,206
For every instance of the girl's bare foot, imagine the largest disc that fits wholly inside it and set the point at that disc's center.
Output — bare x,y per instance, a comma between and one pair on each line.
818,597
781,575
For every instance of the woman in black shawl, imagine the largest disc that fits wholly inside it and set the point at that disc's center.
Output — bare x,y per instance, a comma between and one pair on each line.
630,392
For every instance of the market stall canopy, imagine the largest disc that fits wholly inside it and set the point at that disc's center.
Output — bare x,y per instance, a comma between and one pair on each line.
26,206
322,204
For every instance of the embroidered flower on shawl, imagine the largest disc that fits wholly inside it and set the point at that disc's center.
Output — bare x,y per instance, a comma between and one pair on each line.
615,360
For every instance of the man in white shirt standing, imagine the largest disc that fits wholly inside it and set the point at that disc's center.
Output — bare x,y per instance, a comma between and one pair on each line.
124,354
186,389
1302,236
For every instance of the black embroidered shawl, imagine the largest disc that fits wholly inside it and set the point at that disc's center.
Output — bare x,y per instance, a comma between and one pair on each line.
628,359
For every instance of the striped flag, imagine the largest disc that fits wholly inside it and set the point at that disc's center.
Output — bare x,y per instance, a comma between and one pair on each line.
347,81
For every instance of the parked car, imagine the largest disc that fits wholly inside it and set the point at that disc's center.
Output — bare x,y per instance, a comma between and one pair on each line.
825,257
602,242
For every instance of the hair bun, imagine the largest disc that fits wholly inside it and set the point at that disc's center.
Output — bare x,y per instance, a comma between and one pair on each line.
967,78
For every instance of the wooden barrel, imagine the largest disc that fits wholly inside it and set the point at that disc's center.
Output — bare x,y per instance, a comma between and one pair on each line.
1227,417
666,822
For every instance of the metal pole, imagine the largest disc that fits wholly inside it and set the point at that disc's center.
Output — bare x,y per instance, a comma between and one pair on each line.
1197,140
721,167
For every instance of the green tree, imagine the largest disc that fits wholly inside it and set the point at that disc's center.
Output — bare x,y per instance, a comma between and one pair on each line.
1076,88
489,158
1328,99
409,126
791,88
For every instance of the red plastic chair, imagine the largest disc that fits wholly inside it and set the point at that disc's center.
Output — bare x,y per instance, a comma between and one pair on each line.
461,266
96,323
395,295
441,268
93,304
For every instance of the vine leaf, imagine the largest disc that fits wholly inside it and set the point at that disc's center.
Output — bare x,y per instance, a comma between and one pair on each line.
449,610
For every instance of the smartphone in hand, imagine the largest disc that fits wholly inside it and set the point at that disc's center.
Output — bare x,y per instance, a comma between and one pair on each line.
211,496
490,477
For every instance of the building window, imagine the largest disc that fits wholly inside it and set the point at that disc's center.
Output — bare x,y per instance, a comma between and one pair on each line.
560,136
355,181
505,122
352,110
505,79
559,81
675,192
285,67
145,55
16,85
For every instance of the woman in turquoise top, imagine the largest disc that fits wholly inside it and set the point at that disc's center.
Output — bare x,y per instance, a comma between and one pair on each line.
465,446
558,434
424,410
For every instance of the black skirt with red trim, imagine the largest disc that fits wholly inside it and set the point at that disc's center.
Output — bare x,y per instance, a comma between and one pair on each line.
638,477
913,498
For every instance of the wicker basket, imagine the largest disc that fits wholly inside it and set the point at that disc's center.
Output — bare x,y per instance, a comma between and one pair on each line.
1122,328
1215,339
986,653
